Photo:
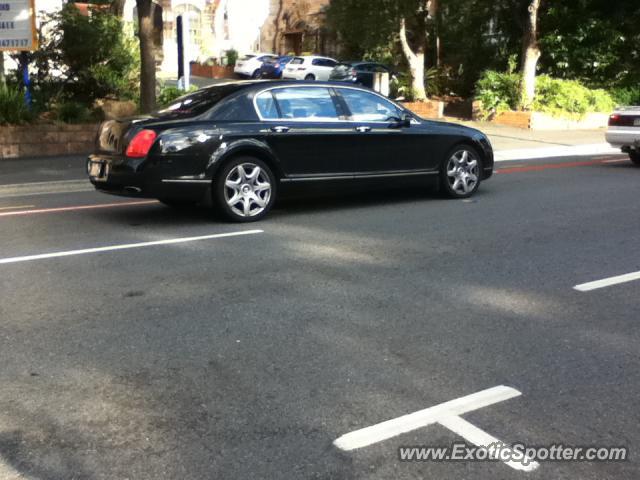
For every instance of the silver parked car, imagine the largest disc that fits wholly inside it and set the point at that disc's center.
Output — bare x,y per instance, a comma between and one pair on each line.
624,131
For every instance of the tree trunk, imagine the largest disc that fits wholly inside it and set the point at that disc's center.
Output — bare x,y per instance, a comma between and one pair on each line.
276,35
147,55
416,63
117,7
3,79
530,56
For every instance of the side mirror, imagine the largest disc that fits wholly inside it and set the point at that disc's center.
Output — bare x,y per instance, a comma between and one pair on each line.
403,122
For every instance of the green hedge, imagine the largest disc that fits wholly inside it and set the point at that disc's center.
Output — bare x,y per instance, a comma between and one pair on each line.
564,98
13,109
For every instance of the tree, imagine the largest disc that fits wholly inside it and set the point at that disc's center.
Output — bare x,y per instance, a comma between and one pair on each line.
147,55
530,55
367,26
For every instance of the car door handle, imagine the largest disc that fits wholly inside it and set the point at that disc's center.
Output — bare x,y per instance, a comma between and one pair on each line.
280,129
363,129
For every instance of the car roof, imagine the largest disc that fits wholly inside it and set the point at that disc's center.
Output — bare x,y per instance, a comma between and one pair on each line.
257,85
314,57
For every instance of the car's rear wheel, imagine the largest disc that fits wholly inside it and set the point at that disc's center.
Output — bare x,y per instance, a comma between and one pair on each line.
311,77
460,172
245,189
635,157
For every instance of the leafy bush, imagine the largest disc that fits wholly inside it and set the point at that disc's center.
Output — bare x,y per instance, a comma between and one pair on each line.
169,94
232,57
13,108
626,96
499,92
72,112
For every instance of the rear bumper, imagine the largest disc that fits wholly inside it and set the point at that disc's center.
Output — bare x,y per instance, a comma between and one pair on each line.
142,179
622,137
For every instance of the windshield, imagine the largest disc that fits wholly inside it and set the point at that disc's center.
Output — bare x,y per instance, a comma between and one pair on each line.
196,103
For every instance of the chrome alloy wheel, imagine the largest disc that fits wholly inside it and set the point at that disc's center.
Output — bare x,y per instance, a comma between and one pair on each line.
247,190
463,172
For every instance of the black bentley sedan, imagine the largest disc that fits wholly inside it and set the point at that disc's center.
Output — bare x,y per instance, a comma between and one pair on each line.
236,146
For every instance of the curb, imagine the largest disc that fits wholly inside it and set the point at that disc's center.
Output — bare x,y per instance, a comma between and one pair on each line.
560,151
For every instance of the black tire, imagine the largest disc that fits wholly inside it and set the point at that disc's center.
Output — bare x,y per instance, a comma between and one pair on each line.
223,195
178,204
256,74
464,185
310,78
635,158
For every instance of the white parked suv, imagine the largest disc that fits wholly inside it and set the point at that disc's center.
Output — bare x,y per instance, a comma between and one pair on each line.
249,65
309,68
624,131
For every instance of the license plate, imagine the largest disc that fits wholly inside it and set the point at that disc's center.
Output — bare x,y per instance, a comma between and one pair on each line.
98,170
636,122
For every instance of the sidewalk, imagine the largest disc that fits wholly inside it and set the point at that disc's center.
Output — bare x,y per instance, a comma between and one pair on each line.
512,143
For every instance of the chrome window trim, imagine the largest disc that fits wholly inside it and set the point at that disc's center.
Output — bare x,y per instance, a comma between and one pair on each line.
335,87
358,176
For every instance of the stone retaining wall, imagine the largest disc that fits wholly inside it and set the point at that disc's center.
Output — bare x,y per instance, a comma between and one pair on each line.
46,140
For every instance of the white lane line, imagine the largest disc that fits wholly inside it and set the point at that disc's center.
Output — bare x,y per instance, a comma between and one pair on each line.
608,282
111,248
480,438
413,421
17,207
80,207
45,188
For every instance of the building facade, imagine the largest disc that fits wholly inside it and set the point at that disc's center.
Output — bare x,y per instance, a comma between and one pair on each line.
296,27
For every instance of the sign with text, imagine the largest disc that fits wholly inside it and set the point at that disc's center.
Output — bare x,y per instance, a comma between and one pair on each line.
18,26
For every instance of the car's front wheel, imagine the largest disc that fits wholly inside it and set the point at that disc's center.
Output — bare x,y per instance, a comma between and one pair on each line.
635,157
460,172
245,189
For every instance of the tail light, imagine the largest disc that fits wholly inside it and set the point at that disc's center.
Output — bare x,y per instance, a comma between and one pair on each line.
617,120
140,145
277,65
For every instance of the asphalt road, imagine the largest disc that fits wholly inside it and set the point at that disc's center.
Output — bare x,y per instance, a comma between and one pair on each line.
246,357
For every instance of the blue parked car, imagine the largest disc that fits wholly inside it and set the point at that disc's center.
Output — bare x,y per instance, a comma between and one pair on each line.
273,67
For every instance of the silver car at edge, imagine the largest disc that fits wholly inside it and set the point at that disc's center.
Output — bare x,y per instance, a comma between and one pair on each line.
624,131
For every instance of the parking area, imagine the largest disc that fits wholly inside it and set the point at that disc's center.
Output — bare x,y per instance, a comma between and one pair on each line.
142,342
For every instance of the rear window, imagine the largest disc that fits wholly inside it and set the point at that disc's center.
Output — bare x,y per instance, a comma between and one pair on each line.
196,103
297,61
247,57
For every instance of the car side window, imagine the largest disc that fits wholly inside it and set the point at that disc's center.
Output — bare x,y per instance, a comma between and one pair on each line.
309,104
368,107
267,108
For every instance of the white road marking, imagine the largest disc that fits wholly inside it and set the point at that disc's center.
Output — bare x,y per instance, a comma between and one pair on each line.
480,438
555,151
45,188
441,414
607,282
16,207
80,207
111,248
